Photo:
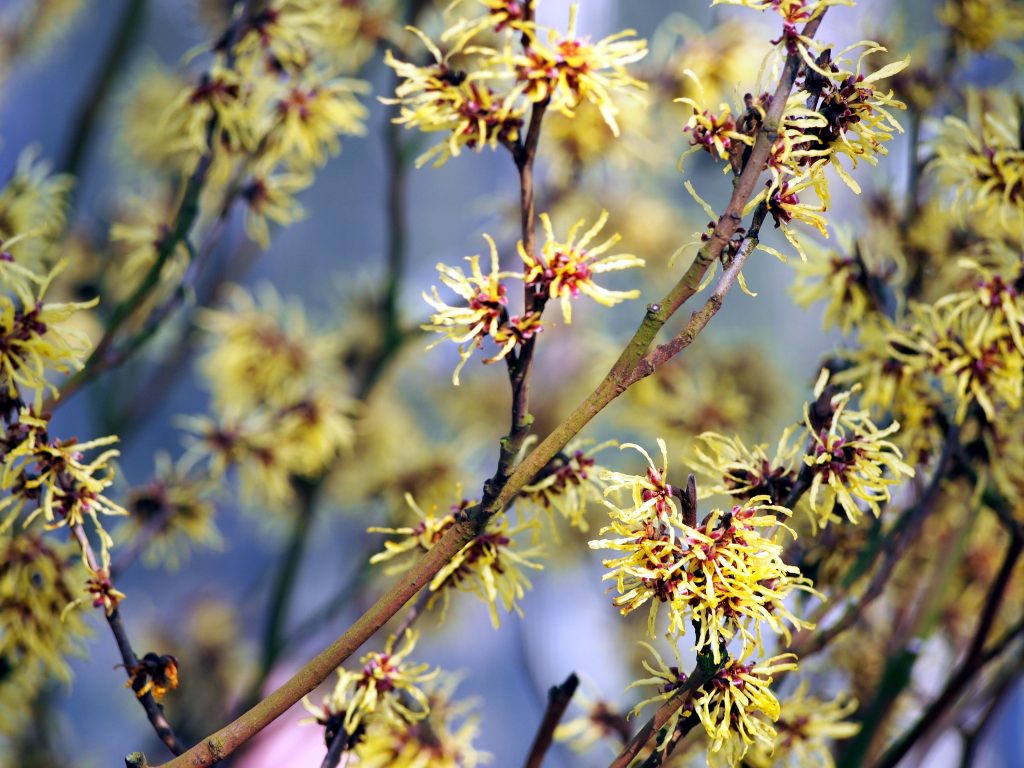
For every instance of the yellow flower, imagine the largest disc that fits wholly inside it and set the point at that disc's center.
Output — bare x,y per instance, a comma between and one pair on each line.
803,731
489,566
738,706
568,483
982,160
52,476
601,721
434,742
723,575
35,340
32,204
310,115
39,579
568,69
736,470
438,98
843,278
270,197
716,134
387,688
566,269
980,25
500,16
851,460
171,513
485,314
262,350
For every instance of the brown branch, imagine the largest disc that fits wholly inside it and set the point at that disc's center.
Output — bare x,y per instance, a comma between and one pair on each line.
974,662
225,741
129,659
697,679
559,697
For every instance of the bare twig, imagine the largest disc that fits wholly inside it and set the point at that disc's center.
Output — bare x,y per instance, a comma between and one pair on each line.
559,697
154,712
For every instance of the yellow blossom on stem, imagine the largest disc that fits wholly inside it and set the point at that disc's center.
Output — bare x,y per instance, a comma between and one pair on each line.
569,68
566,269
386,688
484,315
723,574
851,459
737,708
568,483
490,566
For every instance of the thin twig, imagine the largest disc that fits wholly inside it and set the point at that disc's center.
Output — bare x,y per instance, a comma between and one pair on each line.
559,697
974,661
683,696
129,659
92,105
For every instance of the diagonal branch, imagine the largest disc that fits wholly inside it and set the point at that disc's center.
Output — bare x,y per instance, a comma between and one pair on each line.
225,741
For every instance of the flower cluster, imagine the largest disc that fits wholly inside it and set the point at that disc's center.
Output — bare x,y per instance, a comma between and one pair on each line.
264,112
562,270
724,574
836,110
850,458
278,395
387,688
490,566
484,99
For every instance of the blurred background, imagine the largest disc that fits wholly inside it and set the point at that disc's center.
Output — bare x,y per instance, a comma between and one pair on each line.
210,610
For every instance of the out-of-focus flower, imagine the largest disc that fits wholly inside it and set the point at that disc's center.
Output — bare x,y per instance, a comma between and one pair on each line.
804,731
170,514
981,158
981,25
564,270
42,625
271,198
263,351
